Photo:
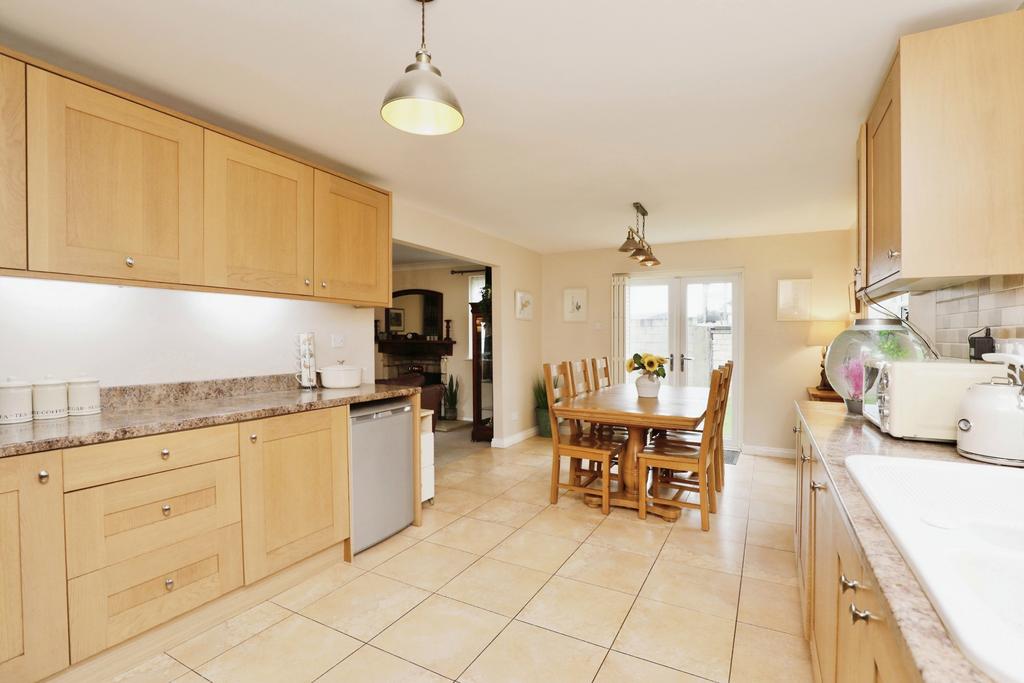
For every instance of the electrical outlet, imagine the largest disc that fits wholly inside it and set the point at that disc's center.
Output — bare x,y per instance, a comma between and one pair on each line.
337,341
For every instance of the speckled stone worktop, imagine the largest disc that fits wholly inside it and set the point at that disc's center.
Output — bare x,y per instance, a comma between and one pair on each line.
837,435
172,410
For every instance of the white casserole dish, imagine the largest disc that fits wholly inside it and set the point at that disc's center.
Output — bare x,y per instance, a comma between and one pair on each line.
340,376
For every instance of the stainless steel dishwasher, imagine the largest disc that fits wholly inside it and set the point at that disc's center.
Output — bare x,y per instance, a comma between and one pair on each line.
380,461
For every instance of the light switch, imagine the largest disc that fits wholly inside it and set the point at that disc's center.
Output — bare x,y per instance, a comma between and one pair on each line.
337,341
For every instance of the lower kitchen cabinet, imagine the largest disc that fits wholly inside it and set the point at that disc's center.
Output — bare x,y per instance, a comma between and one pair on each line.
295,501
33,598
853,638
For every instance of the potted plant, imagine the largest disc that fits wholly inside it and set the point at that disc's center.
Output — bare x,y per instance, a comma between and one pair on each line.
652,371
540,401
450,398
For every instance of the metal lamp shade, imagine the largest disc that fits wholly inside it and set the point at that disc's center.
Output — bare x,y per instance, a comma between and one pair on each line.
630,244
638,254
420,102
650,260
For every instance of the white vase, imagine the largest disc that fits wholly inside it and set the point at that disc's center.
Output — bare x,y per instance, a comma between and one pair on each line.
647,386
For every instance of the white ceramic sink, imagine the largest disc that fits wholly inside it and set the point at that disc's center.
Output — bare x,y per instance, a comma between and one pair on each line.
961,529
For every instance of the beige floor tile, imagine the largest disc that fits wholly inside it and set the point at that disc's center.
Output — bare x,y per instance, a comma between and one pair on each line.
771,605
772,494
620,668
442,635
385,550
488,483
526,653
616,569
296,649
426,565
221,638
159,669
365,606
515,468
707,552
472,535
722,526
765,656
497,586
317,586
506,511
694,642
769,535
776,513
370,665
634,537
578,609
770,464
703,590
433,521
728,507
190,677
564,523
737,488
536,551
452,476
768,564
457,501
776,478
535,492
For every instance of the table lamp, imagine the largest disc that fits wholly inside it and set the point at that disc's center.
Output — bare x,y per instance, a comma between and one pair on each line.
821,333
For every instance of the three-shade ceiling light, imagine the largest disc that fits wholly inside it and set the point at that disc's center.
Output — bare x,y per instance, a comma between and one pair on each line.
420,102
636,240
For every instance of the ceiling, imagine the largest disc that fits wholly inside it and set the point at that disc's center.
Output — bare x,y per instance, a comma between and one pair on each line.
406,255
724,117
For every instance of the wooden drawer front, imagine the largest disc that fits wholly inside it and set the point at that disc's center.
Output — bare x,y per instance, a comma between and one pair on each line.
117,460
108,524
113,604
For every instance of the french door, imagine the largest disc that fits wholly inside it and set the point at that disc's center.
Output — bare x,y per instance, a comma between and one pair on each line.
696,323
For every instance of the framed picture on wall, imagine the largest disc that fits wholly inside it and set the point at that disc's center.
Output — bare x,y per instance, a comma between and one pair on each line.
574,305
794,300
396,319
524,305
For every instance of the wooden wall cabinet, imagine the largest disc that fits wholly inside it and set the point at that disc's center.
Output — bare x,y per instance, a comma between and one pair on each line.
352,248
33,597
115,188
295,495
13,202
945,159
259,219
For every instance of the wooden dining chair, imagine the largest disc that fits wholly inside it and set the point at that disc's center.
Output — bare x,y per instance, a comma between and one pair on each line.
601,372
579,377
694,462
578,445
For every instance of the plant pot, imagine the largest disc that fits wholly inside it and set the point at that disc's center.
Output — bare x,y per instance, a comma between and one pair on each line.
543,422
647,386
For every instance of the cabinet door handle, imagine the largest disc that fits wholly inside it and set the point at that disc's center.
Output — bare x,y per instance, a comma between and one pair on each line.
797,430
307,281
169,584
323,284
165,453
166,509
44,476
848,584
129,261
818,486
252,437
859,614
805,458
893,253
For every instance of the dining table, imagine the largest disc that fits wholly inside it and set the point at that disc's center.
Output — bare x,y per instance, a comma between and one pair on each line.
675,407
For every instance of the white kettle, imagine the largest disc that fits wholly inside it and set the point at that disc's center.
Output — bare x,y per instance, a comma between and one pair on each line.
990,427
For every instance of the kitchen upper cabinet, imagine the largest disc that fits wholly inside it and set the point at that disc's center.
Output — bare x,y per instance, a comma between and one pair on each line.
13,235
114,188
294,473
945,158
352,241
259,219
33,594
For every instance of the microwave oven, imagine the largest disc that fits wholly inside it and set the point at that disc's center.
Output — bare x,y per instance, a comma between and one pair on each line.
919,399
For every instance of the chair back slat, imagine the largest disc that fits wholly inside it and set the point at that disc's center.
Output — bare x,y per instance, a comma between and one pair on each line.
579,377
601,374
556,387
713,419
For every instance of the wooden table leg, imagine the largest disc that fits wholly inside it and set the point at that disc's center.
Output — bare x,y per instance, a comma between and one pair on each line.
627,461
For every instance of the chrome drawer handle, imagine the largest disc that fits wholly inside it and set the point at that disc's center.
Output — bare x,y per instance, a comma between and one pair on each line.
893,253
252,437
306,281
848,584
44,476
129,261
796,430
805,458
169,584
166,509
859,615
818,486
165,453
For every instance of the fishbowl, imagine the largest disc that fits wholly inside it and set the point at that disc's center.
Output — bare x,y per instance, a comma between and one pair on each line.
878,339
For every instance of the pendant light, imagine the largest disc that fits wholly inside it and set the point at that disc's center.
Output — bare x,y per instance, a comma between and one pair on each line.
636,240
420,102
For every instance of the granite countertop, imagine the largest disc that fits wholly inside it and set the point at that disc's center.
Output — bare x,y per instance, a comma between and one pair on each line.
129,421
836,435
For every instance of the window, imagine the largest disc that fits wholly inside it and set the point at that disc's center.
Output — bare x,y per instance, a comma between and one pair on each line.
476,293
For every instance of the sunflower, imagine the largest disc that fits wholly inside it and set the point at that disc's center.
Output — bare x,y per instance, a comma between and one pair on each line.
630,365
651,363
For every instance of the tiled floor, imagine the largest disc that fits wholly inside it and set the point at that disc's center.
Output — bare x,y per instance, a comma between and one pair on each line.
498,585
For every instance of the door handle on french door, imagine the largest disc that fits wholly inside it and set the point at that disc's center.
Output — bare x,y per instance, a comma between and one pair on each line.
671,362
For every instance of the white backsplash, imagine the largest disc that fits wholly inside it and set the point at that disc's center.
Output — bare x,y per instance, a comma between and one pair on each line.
138,335
996,302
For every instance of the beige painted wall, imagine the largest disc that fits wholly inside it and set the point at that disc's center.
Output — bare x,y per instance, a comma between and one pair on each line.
777,366
455,289
517,343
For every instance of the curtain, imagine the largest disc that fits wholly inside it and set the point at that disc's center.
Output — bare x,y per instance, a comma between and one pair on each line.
620,318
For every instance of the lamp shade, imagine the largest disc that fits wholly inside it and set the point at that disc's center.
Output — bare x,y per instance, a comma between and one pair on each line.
420,102
822,332
630,244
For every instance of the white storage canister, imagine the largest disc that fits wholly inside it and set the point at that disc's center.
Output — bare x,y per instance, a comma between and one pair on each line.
83,396
15,402
49,399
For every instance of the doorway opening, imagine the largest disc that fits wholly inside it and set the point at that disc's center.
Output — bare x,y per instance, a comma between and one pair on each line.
696,322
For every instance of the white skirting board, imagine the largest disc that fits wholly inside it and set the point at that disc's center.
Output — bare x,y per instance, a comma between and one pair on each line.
768,451
514,439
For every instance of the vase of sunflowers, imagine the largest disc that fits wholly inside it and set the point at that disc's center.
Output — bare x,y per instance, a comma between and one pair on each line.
652,370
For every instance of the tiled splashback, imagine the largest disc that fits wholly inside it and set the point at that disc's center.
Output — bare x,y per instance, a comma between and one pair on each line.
996,302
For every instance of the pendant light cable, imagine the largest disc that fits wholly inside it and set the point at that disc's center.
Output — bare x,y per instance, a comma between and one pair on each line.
423,24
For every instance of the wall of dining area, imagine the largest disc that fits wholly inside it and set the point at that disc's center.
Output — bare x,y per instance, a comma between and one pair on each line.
776,364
